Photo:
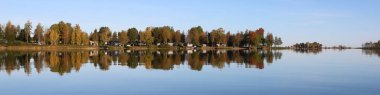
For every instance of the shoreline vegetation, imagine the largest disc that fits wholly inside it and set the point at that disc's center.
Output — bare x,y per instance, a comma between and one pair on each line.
65,36
73,47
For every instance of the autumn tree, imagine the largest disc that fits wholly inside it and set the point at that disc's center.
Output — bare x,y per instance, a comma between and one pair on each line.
218,36
38,33
167,34
104,35
269,40
94,36
76,35
162,34
142,37
85,39
236,39
148,38
177,37
52,37
27,31
123,37
260,34
10,32
194,35
203,38
64,30
254,39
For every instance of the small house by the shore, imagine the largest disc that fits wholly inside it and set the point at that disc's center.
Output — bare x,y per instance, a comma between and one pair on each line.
189,45
93,43
170,44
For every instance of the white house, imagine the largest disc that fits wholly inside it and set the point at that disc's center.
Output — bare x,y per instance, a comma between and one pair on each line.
93,43
170,44
189,45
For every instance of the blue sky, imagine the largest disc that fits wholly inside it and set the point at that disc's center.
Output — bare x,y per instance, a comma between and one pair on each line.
332,22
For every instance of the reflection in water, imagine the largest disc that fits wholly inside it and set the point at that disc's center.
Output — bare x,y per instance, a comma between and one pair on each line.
371,52
308,51
65,62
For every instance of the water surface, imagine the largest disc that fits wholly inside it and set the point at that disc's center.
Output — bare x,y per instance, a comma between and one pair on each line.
222,72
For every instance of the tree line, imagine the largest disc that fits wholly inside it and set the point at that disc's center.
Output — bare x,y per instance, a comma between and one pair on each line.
371,45
308,45
63,33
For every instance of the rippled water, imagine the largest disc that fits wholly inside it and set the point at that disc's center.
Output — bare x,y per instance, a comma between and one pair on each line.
222,72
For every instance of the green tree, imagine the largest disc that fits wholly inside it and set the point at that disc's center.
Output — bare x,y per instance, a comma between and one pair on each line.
227,38
277,41
1,32
133,35
21,35
104,35
115,36
218,36
156,33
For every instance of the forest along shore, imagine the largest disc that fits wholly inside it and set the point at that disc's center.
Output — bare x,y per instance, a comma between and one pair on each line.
46,48
74,47
153,37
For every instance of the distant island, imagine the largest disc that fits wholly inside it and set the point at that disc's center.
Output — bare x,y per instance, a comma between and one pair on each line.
307,45
65,35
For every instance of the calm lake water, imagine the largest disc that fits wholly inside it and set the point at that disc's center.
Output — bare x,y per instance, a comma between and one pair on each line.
284,72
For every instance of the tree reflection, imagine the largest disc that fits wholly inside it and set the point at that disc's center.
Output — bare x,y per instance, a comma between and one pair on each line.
308,51
63,62
375,52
